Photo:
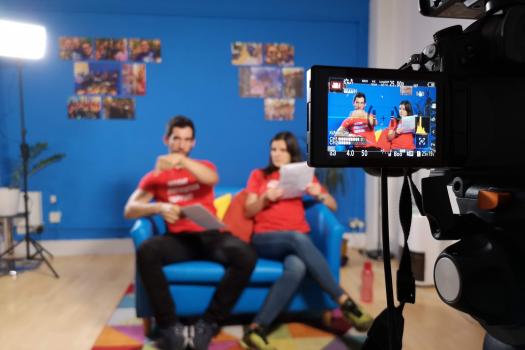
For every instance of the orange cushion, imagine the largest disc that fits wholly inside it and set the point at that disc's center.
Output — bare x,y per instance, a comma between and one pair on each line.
238,224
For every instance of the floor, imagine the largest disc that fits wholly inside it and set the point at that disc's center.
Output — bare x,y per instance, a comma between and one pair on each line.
38,311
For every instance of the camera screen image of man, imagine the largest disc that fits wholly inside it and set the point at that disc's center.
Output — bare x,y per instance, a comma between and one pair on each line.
359,126
177,181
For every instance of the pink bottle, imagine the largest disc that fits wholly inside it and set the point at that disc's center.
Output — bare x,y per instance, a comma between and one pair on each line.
367,283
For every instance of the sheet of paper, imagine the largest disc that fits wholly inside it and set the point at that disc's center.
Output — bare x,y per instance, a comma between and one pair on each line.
407,125
294,178
202,216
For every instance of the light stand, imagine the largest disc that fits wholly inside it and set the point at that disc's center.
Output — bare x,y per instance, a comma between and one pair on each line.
15,48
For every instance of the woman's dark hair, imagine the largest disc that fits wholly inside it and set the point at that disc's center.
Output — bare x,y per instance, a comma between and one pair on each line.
292,146
180,121
408,106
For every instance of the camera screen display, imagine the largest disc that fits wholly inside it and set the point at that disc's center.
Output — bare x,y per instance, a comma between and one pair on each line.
373,118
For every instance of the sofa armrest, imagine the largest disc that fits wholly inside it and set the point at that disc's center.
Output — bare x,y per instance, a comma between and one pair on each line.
145,228
326,233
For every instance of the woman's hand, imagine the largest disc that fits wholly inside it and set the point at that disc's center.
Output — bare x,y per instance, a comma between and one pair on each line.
273,194
169,212
391,135
314,190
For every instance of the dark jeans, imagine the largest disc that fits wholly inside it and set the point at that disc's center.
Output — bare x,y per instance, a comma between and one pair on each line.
237,257
299,256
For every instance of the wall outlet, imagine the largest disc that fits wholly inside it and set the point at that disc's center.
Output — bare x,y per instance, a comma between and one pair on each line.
55,217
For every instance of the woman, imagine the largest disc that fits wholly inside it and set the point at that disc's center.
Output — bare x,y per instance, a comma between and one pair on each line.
401,139
280,233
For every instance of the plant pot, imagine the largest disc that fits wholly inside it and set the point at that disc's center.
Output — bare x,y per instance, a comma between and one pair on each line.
9,198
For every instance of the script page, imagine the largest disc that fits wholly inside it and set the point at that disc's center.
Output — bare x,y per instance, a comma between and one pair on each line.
294,178
407,125
202,216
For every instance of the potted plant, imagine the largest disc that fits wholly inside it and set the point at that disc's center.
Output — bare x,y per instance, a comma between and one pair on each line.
9,196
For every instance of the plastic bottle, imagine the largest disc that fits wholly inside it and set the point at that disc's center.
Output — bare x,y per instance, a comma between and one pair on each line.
367,282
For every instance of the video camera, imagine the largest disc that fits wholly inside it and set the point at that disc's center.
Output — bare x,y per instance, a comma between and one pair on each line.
454,107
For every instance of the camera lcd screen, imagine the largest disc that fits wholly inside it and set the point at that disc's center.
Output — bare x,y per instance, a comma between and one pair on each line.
373,117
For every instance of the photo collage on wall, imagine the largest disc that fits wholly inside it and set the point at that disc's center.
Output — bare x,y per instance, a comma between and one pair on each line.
108,73
266,71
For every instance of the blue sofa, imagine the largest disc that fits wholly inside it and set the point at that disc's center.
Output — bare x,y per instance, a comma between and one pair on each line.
192,283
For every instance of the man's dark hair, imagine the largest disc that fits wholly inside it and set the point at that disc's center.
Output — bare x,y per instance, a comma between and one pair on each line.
292,146
179,121
359,94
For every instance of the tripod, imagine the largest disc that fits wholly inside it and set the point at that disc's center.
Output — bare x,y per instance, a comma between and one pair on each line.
377,254
24,150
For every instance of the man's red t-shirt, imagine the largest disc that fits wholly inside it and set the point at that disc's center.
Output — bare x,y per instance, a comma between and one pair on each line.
180,187
361,127
282,215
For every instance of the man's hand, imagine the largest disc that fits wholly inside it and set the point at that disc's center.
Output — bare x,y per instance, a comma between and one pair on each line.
358,113
170,161
169,212
372,121
273,194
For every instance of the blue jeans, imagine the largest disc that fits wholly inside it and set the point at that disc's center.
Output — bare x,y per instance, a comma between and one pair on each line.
299,255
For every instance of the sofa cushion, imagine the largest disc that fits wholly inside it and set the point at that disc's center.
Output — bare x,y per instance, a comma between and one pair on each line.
195,272
221,204
238,224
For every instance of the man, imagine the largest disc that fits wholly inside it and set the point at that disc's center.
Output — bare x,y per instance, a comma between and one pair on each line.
178,181
145,53
359,126
86,52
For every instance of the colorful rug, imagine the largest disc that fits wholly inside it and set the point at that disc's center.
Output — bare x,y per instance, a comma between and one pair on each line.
124,331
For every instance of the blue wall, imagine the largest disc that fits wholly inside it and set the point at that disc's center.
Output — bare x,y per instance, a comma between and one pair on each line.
106,158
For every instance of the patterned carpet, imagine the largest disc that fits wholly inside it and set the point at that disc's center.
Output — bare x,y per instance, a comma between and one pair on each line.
124,332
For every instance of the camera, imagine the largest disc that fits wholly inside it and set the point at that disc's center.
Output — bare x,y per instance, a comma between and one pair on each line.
454,107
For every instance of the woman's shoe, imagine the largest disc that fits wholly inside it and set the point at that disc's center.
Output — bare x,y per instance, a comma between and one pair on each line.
356,316
255,339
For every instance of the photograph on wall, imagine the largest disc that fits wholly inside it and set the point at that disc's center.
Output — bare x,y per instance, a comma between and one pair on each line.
260,82
97,78
75,48
84,107
119,108
134,79
406,90
279,108
111,49
145,50
280,54
293,82
246,54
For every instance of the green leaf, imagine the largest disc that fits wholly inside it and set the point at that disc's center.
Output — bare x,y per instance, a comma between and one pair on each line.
37,149
45,162
34,166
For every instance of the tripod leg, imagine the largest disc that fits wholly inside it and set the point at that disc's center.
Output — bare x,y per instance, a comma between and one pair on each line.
41,247
49,265
11,249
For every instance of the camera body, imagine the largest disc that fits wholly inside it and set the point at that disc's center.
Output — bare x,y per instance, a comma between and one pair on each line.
455,107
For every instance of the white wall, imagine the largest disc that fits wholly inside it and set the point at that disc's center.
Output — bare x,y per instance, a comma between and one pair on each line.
396,31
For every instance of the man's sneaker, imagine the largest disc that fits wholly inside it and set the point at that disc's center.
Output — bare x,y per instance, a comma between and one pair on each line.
203,333
172,338
255,339
357,317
